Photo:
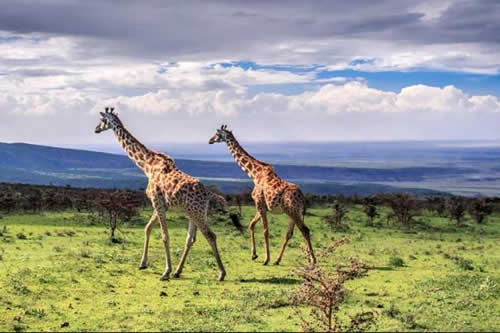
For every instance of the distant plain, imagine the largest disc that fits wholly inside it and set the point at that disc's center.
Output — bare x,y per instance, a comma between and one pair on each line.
468,168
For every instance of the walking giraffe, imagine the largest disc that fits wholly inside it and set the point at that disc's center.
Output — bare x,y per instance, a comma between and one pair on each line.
270,192
167,187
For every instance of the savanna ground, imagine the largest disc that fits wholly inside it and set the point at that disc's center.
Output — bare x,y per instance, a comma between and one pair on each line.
58,272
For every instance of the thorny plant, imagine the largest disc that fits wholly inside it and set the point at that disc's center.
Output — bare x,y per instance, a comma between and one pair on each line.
324,292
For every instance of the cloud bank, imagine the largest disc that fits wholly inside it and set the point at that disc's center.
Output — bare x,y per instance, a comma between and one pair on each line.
176,70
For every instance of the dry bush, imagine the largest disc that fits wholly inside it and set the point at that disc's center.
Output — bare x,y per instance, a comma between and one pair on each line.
324,292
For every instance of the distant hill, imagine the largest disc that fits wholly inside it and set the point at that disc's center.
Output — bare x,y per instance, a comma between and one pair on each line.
35,164
23,155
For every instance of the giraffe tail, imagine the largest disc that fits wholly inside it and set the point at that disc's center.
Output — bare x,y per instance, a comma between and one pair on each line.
218,203
235,220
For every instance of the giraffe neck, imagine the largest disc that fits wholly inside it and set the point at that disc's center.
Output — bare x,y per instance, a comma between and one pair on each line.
135,150
248,163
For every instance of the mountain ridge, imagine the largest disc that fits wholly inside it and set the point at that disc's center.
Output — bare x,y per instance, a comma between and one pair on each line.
39,164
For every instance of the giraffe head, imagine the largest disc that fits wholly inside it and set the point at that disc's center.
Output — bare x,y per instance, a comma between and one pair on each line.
221,135
109,119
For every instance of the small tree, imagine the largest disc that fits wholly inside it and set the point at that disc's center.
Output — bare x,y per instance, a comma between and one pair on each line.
436,204
324,291
480,209
404,208
370,209
339,210
117,207
7,203
456,209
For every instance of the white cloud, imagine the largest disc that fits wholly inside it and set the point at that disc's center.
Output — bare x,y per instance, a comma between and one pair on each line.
54,78
349,97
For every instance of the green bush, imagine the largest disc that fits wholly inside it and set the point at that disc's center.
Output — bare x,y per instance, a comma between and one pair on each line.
395,261
21,236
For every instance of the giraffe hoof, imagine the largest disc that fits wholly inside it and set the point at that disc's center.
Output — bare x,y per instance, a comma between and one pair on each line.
266,262
164,277
222,275
276,263
254,256
177,275
141,267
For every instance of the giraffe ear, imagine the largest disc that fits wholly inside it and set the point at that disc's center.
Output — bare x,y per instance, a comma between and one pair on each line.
102,114
106,109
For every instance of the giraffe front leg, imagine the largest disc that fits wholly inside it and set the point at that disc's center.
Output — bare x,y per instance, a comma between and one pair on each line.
159,206
263,216
147,234
251,228
190,239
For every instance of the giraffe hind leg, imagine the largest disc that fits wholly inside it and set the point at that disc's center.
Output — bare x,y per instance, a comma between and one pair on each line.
307,236
147,235
159,207
265,227
212,240
190,239
288,235
251,228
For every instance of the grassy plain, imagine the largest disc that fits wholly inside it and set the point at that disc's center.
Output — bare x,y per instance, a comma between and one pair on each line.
58,272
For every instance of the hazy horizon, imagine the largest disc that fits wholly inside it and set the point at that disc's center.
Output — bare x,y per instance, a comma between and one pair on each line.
460,167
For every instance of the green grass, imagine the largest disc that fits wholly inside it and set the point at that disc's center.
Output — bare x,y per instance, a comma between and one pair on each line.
63,274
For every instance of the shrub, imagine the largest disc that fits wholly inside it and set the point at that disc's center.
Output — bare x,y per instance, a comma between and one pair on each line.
370,209
456,209
480,209
85,253
395,261
437,205
404,208
21,236
324,291
57,249
339,211
117,207
463,263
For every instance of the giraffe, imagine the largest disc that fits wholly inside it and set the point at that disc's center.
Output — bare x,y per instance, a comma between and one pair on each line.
270,193
168,187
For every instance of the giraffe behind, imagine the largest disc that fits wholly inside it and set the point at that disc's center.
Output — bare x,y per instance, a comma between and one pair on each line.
270,193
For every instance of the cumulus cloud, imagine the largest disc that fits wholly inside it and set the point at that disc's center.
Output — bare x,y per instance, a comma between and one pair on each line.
350,97
182,101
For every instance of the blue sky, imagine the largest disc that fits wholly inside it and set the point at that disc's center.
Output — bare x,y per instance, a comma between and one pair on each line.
274,71
472,83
